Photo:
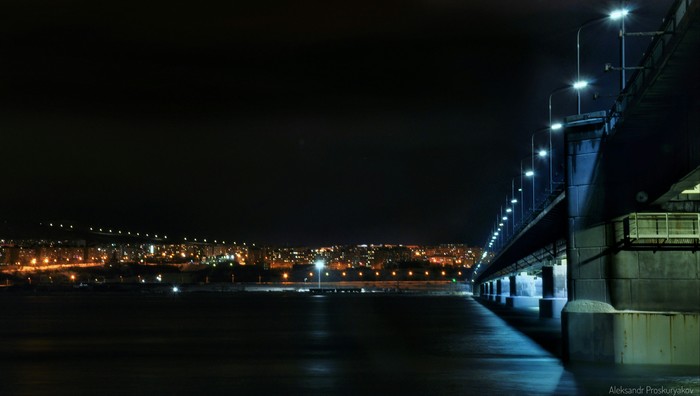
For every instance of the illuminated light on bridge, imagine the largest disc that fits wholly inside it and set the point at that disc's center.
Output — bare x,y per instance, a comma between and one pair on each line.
577,85
618,14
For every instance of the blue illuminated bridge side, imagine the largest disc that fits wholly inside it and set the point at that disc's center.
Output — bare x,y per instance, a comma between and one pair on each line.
613,251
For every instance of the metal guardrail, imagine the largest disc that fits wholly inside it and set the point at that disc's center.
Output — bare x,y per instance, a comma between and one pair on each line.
654,57
662,227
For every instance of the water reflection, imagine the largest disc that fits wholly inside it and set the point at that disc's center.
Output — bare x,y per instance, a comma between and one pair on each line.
267,344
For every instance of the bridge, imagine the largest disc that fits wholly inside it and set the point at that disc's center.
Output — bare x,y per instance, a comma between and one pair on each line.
613,250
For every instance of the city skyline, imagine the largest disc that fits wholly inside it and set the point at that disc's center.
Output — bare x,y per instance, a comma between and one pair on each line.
39,253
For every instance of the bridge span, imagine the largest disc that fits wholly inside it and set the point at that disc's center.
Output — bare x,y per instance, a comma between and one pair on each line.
614,250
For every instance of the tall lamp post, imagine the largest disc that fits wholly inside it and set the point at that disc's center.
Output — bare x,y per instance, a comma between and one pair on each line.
615,15
578,86
515,200
522,200
542,153
529,173
578,61
319,267
621,14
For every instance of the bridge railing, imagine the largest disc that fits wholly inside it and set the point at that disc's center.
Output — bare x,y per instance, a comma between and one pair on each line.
658,228
546,200
654,57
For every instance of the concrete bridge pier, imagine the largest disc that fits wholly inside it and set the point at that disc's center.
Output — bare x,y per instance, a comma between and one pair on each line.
630,301
524,291
492,291
553,291
499,290
504,291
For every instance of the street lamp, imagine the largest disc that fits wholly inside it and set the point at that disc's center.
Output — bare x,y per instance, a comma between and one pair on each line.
319,267
514,200
529,173
578,58
578,86
615,15
541,154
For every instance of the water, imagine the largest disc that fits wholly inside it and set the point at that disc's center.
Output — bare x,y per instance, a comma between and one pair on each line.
267,343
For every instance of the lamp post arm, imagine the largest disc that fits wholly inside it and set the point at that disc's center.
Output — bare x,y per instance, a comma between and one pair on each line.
578,54
549,102
578,43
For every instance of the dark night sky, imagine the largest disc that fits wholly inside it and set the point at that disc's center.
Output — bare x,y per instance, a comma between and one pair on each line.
288,122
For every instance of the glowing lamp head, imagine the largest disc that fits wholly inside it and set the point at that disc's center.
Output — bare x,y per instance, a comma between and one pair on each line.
529,173
617,14
542,153
580,84
556,126
319,264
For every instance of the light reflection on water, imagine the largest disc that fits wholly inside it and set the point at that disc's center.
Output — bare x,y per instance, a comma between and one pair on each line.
266,344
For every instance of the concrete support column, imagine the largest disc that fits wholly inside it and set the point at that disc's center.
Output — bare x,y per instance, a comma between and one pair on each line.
550,306
547,282
626,305
525,289
560,286
505,290
511,283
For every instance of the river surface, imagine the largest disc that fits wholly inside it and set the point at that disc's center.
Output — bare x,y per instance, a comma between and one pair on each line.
269,344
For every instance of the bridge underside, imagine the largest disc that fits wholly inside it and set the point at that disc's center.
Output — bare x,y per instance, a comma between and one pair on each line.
543,238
